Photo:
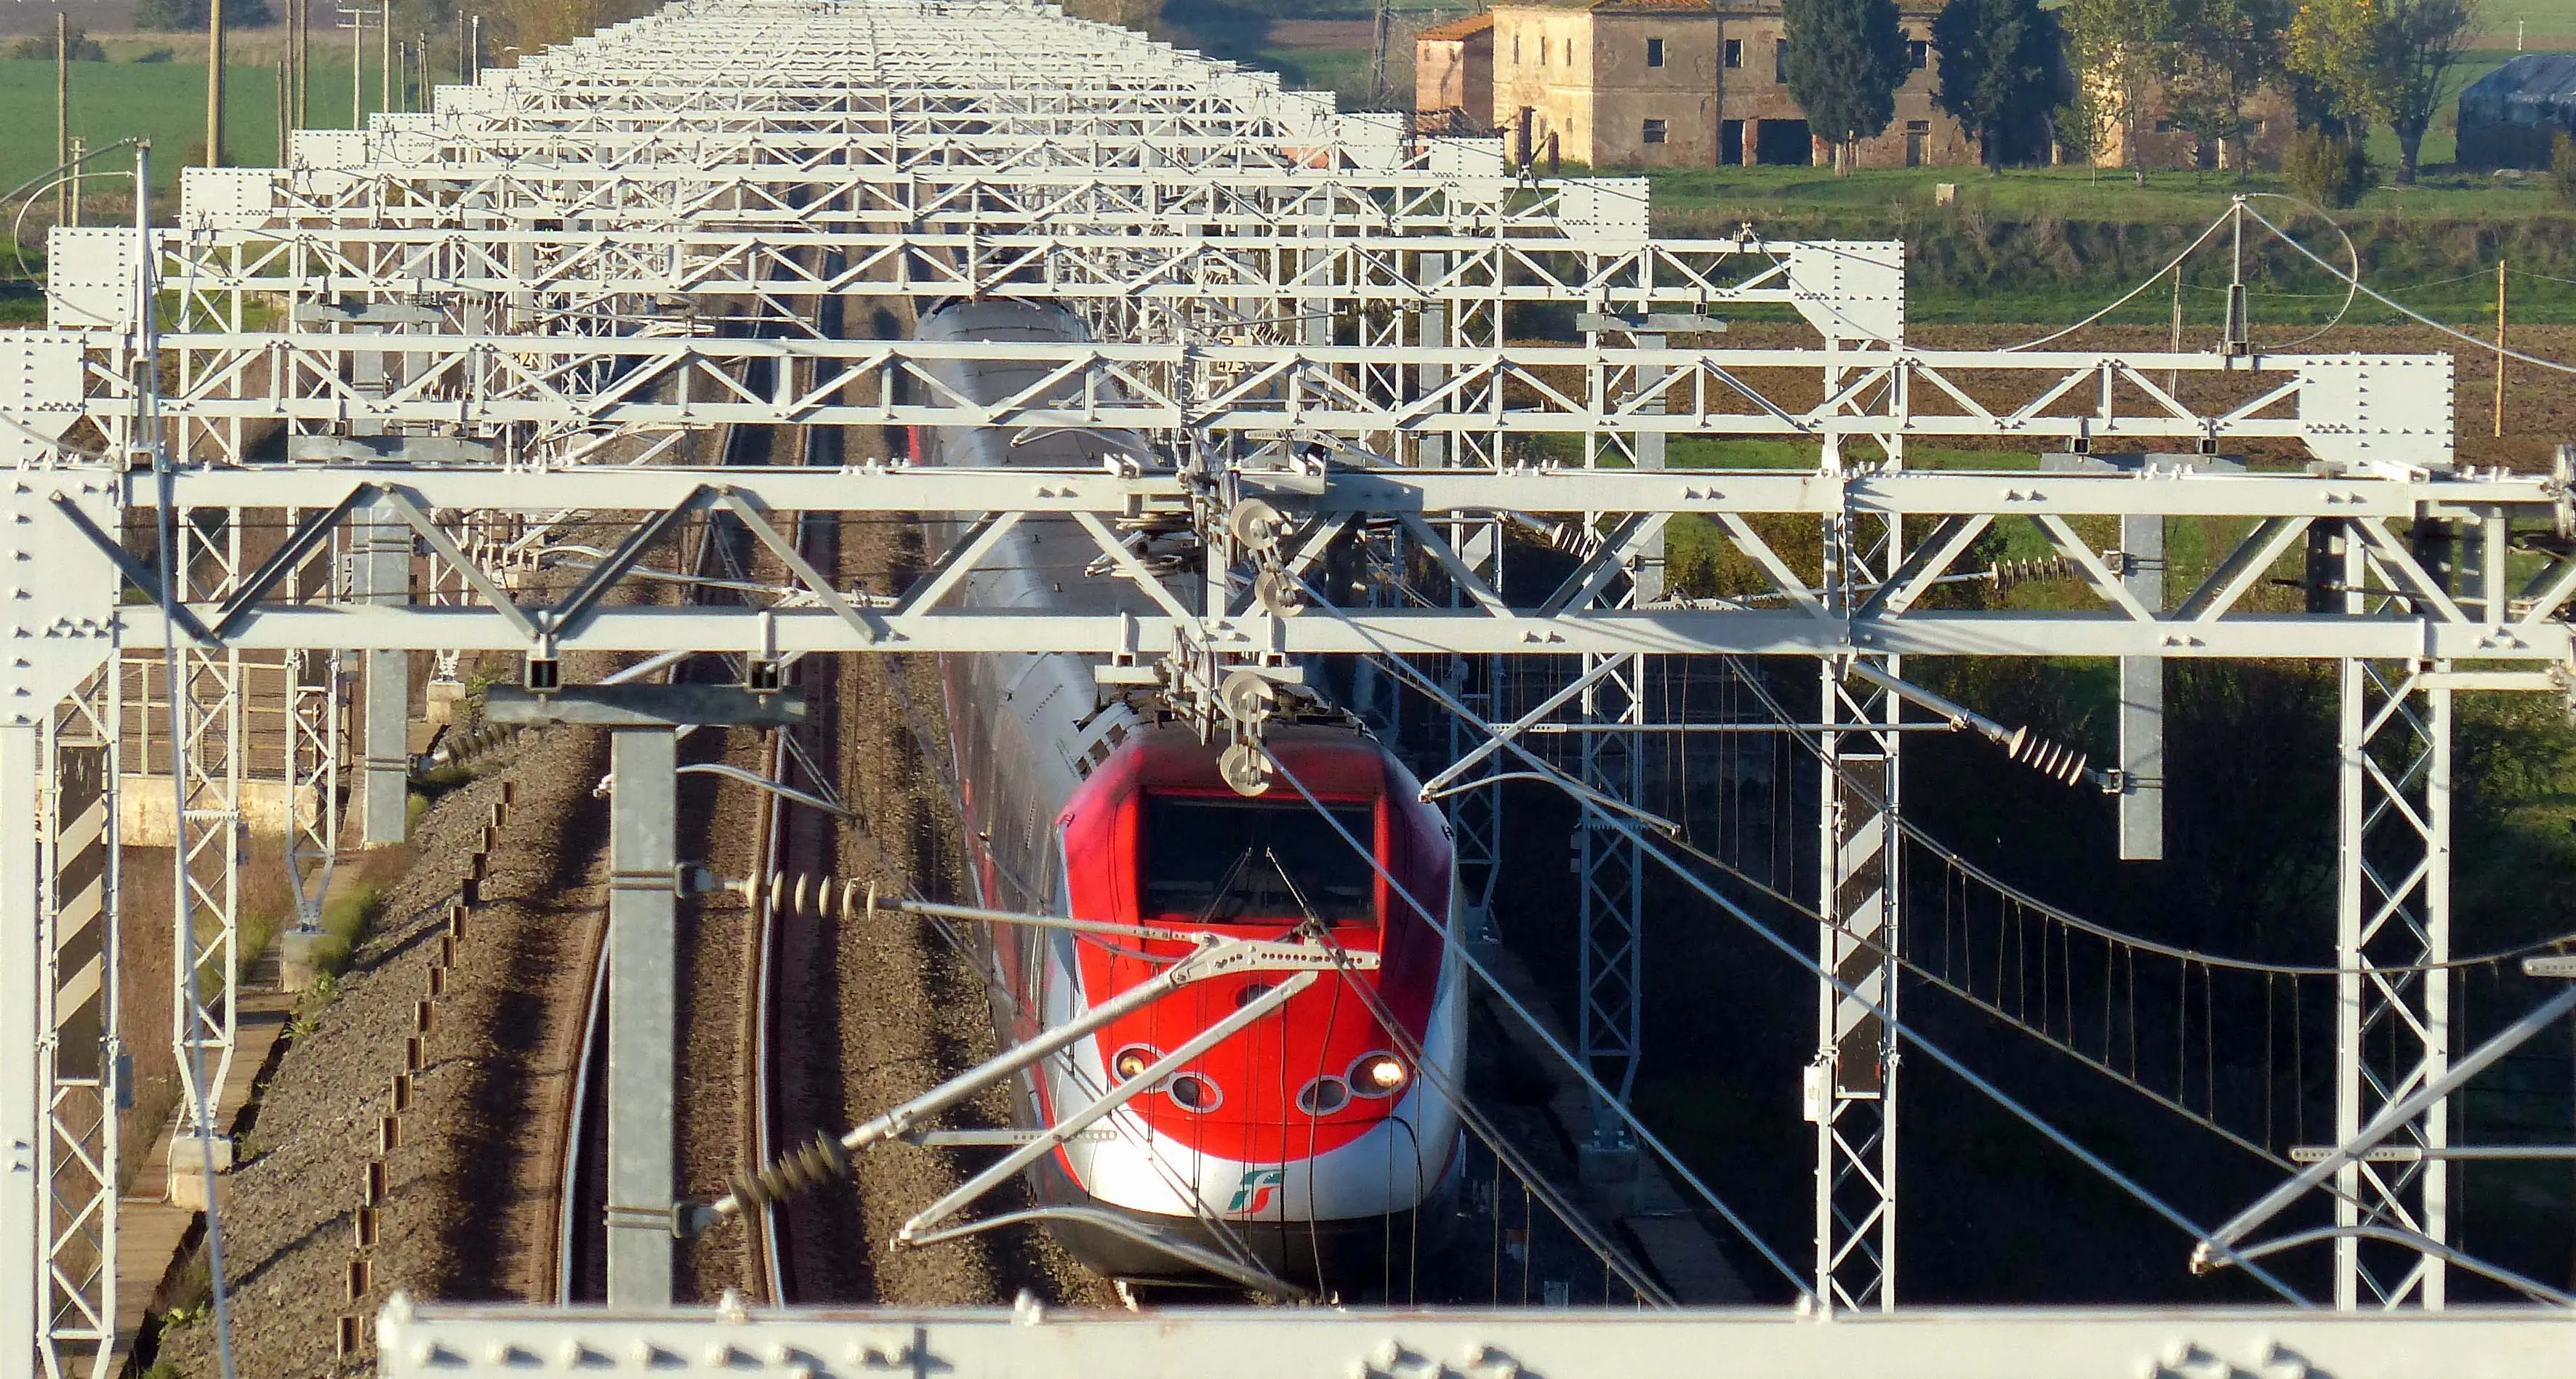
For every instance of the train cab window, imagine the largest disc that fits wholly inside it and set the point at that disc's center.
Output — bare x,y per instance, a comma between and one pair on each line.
1236,861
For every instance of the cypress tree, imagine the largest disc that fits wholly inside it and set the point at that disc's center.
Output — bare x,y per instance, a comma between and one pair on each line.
1846,58
1999,69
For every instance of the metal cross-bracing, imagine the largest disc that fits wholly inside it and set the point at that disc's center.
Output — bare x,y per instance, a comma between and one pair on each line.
1851,1086
881,36
2393,1000
1065,141
523,307
210,762
1472,196
75,1163
946,100
544,271
1610,950
2523,628
428,150
486,381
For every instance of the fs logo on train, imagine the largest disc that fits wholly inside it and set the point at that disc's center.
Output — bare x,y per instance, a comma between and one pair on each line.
1254,1192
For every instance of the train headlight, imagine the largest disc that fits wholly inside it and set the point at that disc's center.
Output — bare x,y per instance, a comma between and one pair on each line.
1379,1074
1191,1092
1324,1096
1131,1062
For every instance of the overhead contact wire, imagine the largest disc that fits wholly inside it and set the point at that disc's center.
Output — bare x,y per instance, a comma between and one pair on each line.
2060,1138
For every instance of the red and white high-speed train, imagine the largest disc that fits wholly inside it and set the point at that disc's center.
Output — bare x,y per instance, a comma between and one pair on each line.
1309,1142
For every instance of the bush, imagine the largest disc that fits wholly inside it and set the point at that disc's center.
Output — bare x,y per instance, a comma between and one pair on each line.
188,16
78,44
160,55
2562,168
2328,171
2071,125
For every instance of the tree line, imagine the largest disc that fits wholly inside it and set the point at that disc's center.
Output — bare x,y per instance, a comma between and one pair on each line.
2020,77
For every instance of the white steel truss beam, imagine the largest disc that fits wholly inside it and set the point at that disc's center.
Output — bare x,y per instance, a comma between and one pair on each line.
1885,395
1924,493
1292,1343
1042,264
252,613
1257,200
1068,143
1383,632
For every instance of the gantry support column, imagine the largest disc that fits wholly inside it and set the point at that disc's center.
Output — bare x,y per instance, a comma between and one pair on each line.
643,1012
2142,699
57,1101
381,565
1475,816
1850,1093
210,758
2392,1004
2141,568
643,943
77,1158
1611,901
22,1054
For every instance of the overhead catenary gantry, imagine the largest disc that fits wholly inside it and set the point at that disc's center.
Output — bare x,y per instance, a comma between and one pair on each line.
2522,628
470,323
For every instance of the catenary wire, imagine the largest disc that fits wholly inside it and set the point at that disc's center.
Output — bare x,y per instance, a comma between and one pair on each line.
2113,1175
2206,1119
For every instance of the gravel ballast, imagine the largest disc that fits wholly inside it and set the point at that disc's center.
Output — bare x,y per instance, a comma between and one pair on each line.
464,1217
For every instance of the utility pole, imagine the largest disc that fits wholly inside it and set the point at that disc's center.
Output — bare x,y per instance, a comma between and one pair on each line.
2499,407
299,44
79,152
62,114
356,24
284,110
385,35
215,84
1381,21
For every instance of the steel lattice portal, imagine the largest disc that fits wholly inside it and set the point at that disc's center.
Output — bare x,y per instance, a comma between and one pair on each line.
459,330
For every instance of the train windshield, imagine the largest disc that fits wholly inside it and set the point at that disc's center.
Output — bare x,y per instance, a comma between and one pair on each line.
1226,860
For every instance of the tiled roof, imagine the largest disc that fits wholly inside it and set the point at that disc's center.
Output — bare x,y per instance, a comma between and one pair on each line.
1456,29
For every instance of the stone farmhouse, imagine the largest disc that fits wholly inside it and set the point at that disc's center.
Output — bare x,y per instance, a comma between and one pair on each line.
1660,83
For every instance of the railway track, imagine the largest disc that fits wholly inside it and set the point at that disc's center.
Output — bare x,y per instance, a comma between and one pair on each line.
790,838
759,1038
733,957
726,959
581,1189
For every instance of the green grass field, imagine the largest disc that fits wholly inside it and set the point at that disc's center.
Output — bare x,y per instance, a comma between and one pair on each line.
2539,18
161,101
